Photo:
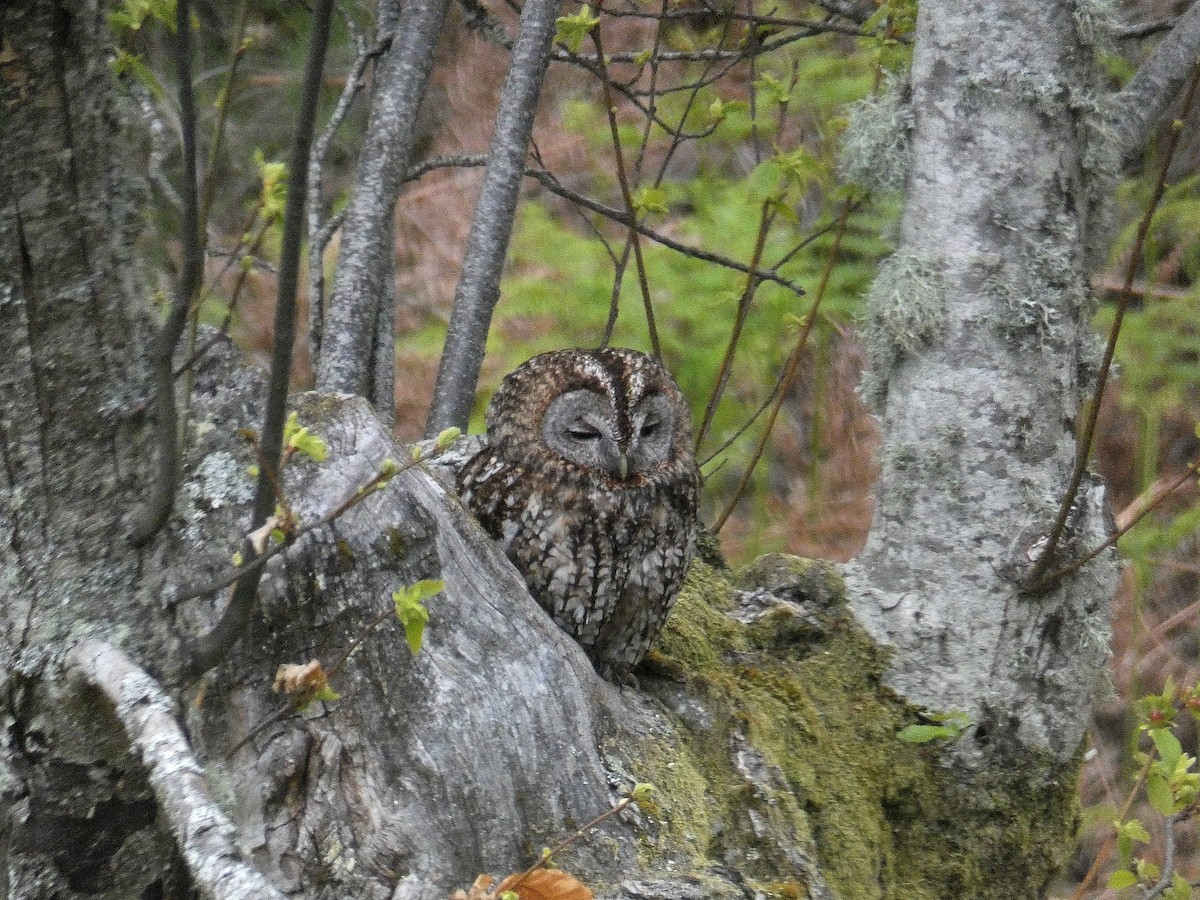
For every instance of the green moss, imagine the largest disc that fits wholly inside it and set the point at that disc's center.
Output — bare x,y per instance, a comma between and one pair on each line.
795,758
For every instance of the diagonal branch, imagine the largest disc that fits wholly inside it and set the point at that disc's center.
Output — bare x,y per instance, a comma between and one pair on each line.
208,650
206,837
1134,110
478,289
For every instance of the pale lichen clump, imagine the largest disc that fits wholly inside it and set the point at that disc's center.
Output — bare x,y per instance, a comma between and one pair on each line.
875,149
906,310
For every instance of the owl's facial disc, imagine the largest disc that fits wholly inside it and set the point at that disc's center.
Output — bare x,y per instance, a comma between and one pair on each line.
580,426
652,427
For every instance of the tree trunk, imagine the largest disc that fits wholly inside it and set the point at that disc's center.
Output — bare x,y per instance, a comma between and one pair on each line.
979,332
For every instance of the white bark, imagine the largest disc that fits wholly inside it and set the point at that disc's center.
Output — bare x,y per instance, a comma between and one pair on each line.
980,339
204,833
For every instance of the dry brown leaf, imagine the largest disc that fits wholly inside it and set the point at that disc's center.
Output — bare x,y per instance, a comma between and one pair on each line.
306,679
545,884
260,537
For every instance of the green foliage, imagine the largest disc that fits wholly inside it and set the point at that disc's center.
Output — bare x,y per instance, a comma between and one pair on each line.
411,610
298,439
950,728
1172,788
126,63
131,15
573,29
274,185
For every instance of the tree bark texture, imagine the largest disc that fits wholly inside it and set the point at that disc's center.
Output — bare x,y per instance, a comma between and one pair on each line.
363,291
478,289
979,334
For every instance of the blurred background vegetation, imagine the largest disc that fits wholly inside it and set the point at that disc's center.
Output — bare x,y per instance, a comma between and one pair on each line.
771,134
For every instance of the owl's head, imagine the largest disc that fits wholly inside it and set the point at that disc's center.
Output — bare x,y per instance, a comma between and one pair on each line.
612,411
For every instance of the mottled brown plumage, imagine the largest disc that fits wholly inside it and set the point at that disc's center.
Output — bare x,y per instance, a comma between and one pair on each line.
589,483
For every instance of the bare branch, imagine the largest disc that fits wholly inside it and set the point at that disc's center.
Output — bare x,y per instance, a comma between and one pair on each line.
626,191
491,226
153,513
318,235
1134,110
1038,578
552,184
204,834
362,292
209,649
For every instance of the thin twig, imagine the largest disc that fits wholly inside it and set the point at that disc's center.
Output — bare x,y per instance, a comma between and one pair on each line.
209,649
364,491
157,506
1078,564
1037,580
1102,856
1167,873
739,322
566,842
793,365
626,194
552,184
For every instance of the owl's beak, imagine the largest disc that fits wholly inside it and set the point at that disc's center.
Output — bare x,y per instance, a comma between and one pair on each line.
623,464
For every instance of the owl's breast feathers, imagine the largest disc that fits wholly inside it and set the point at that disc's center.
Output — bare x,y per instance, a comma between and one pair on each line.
605,558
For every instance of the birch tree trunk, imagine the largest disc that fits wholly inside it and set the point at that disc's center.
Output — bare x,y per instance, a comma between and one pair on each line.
979,335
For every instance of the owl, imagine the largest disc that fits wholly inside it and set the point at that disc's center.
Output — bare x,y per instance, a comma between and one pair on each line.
589,483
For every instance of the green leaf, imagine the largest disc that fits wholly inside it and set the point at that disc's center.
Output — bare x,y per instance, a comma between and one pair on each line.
641,791
411,611
274,177
800,167
1159,794
1179,889
1134,830
298,439
1122,878
774,89
132,64
1169,748
573,29
1125,849
133,14
447,437
923,734
650,200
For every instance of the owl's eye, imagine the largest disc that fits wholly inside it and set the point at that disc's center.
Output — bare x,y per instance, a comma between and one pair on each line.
583,432
649,428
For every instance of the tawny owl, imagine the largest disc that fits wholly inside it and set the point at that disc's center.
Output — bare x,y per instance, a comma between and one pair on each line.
589,483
